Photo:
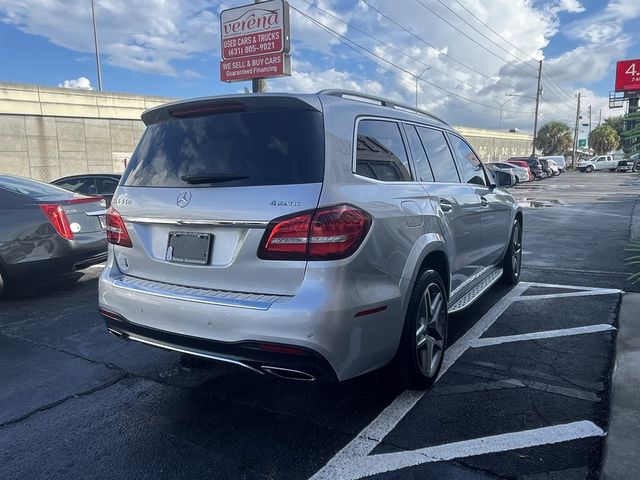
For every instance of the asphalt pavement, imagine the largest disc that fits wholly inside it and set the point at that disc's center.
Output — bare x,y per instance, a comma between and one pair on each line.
524,394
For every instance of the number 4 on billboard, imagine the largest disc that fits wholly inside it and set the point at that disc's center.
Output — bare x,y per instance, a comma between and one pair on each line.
631,70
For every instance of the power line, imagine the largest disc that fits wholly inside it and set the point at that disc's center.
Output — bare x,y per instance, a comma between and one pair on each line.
509,62
399,25
350,43
514,46
391,46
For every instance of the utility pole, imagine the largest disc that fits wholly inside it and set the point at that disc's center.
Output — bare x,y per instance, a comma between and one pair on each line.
258,85
575,135
600,119
589,124
95,42
535,123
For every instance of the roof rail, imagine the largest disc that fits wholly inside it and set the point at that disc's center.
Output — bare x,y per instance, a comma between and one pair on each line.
382,101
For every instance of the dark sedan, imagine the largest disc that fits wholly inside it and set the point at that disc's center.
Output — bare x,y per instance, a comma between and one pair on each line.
46,230
103,184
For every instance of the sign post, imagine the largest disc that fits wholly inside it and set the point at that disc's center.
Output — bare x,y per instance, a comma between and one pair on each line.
255,42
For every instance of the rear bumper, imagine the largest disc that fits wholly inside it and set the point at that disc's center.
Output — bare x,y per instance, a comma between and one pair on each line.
62,256
256,356
325,318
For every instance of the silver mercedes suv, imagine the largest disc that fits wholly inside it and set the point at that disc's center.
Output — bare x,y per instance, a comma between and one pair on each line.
316,236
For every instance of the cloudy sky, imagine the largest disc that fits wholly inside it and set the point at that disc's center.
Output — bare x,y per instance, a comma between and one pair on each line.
475,54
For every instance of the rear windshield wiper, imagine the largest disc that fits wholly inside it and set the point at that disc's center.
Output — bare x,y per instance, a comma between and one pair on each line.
198,179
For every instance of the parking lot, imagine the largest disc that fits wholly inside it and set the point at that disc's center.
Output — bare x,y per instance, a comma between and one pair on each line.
524,391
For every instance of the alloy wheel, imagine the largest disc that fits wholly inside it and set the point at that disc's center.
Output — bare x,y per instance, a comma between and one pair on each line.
431,330
516,249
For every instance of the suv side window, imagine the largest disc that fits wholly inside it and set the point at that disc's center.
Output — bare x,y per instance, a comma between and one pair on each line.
420,160
472,171
439,155
380,152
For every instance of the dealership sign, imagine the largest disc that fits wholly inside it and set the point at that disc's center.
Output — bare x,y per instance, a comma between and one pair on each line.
628,75
255,41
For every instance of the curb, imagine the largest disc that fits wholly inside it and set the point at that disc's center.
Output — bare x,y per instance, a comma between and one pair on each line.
622,444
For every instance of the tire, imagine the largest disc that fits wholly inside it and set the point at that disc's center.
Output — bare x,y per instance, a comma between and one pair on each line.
3,284
589,169
424,334
512,261
636,168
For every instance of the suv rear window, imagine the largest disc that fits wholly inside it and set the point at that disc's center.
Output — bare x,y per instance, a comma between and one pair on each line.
273,147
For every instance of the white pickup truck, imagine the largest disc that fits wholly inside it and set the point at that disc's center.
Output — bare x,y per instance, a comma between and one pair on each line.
599,162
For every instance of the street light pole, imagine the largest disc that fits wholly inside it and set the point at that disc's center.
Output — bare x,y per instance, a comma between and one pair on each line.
500,117
95,42
417,77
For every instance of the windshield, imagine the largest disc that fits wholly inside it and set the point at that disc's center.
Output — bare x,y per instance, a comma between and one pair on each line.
273,147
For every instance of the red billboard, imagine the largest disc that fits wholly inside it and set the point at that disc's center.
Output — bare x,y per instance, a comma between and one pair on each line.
628,75
256,66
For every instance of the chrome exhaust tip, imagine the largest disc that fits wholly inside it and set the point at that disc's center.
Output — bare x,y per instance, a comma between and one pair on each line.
288,373
116,333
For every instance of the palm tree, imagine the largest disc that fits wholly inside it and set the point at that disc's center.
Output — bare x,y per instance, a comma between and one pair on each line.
554,138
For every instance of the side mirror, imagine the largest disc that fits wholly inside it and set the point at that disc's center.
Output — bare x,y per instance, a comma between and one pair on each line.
503,179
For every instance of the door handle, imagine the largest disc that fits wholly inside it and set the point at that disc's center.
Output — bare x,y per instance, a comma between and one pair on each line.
484,202
445,205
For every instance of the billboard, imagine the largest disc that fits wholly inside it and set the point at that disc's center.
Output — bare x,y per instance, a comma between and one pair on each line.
628,75
255,41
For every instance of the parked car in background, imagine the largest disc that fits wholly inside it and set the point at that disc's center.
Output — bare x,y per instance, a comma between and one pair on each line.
521,174
558,159
599,162
523,164
253,244
103,184
45,230
535,166
493,168
554,167
631,164
546,168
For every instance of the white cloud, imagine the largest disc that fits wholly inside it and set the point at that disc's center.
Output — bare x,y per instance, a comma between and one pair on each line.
83,83
148,36
157,36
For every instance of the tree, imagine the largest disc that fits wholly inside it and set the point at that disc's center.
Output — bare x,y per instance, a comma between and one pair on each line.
554,138
616,122
604,139
631,133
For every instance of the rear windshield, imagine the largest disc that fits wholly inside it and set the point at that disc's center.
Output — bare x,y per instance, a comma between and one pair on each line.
31,188
274,147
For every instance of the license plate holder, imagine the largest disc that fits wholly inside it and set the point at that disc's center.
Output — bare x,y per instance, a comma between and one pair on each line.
189,247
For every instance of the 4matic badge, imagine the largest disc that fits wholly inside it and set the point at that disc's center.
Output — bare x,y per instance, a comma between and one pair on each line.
284,203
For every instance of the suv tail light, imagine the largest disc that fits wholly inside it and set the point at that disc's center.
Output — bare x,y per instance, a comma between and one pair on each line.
116,231
58,219
328,233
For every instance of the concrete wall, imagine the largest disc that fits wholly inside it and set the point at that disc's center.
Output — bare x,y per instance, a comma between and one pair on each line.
46,132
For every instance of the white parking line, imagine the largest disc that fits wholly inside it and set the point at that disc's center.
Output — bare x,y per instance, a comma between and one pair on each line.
564,332
387,462
354,460
603,291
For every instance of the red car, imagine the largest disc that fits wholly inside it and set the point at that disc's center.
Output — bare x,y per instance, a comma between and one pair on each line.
523,164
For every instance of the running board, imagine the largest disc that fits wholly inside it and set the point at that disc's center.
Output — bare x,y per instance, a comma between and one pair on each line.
473,294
